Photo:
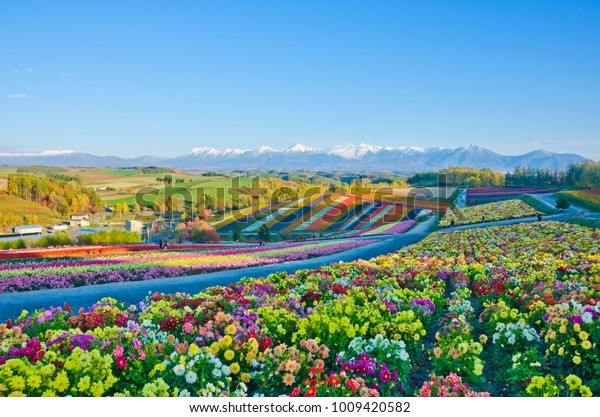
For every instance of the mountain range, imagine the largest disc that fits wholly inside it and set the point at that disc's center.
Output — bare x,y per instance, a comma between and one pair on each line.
300,157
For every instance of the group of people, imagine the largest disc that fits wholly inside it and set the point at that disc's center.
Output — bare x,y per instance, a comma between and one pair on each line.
163,244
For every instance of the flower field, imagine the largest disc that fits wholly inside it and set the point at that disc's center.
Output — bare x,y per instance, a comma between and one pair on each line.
503,210
75,272
503,311
591,195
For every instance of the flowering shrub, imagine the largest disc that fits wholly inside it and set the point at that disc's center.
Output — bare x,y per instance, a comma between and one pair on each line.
448,386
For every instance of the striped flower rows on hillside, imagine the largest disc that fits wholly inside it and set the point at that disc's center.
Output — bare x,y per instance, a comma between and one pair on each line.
512,310
26,276
503,210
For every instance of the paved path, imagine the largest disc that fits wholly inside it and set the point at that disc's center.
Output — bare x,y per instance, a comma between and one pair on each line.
11,304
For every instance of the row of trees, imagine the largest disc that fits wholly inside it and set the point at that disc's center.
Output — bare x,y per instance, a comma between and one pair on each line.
65,197
586,174
459,176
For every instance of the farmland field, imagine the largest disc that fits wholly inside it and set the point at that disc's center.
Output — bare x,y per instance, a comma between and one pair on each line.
502,311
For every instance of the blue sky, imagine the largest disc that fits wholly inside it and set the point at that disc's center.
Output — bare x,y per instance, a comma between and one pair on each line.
161,77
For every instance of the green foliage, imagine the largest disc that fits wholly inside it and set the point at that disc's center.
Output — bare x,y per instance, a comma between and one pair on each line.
236,233
59,239
468,177
264,233
66,197
537,204
109,237
562,202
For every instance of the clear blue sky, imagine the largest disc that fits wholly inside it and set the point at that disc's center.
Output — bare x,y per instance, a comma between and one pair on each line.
160,77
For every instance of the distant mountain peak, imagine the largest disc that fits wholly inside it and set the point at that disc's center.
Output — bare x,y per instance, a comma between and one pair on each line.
349,157
205,151
299,148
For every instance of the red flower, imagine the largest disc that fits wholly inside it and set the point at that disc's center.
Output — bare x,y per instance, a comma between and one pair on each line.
333,380
311,391
121,362
297,391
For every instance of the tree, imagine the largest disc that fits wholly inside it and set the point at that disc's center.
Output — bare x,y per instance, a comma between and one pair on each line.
236,232
562,202
264,233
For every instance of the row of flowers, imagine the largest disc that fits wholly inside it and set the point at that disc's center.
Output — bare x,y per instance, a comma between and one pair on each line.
26,276
511,310
386,229
95,250
503,210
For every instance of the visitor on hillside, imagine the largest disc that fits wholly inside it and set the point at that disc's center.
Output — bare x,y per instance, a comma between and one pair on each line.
160,244
166,245
452,223
482,219
539,217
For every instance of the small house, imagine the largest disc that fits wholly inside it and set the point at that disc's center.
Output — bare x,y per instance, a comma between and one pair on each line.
78,217
29,229
134,226
59,228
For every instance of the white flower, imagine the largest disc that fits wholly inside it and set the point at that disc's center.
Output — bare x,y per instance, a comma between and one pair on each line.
512,339
404,355
184,393
587,317
191,377
226,370
217,372
179,370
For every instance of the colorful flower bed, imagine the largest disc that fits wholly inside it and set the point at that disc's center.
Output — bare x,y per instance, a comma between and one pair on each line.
453,315
97,250
386,229
503,210
592,195
76,272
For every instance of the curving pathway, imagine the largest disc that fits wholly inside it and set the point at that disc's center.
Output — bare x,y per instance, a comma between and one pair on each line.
11,304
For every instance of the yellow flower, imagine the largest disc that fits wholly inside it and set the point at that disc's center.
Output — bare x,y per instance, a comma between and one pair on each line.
84,383
577,327
17,383
34,381
214,348
576,360
97,389
483,338
585,391
537,381
561,351
229,354
235,368
194,349
245,377
225,341
586,344
230,329
563,329
573,382
583,335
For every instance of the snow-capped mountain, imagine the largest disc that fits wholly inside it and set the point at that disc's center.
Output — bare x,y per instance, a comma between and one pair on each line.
362,157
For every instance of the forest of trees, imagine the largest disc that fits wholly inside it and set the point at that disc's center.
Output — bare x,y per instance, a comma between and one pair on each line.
466,177
61,193
586,174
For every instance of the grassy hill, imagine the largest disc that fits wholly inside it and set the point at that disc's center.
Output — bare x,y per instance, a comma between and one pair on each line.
15,211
